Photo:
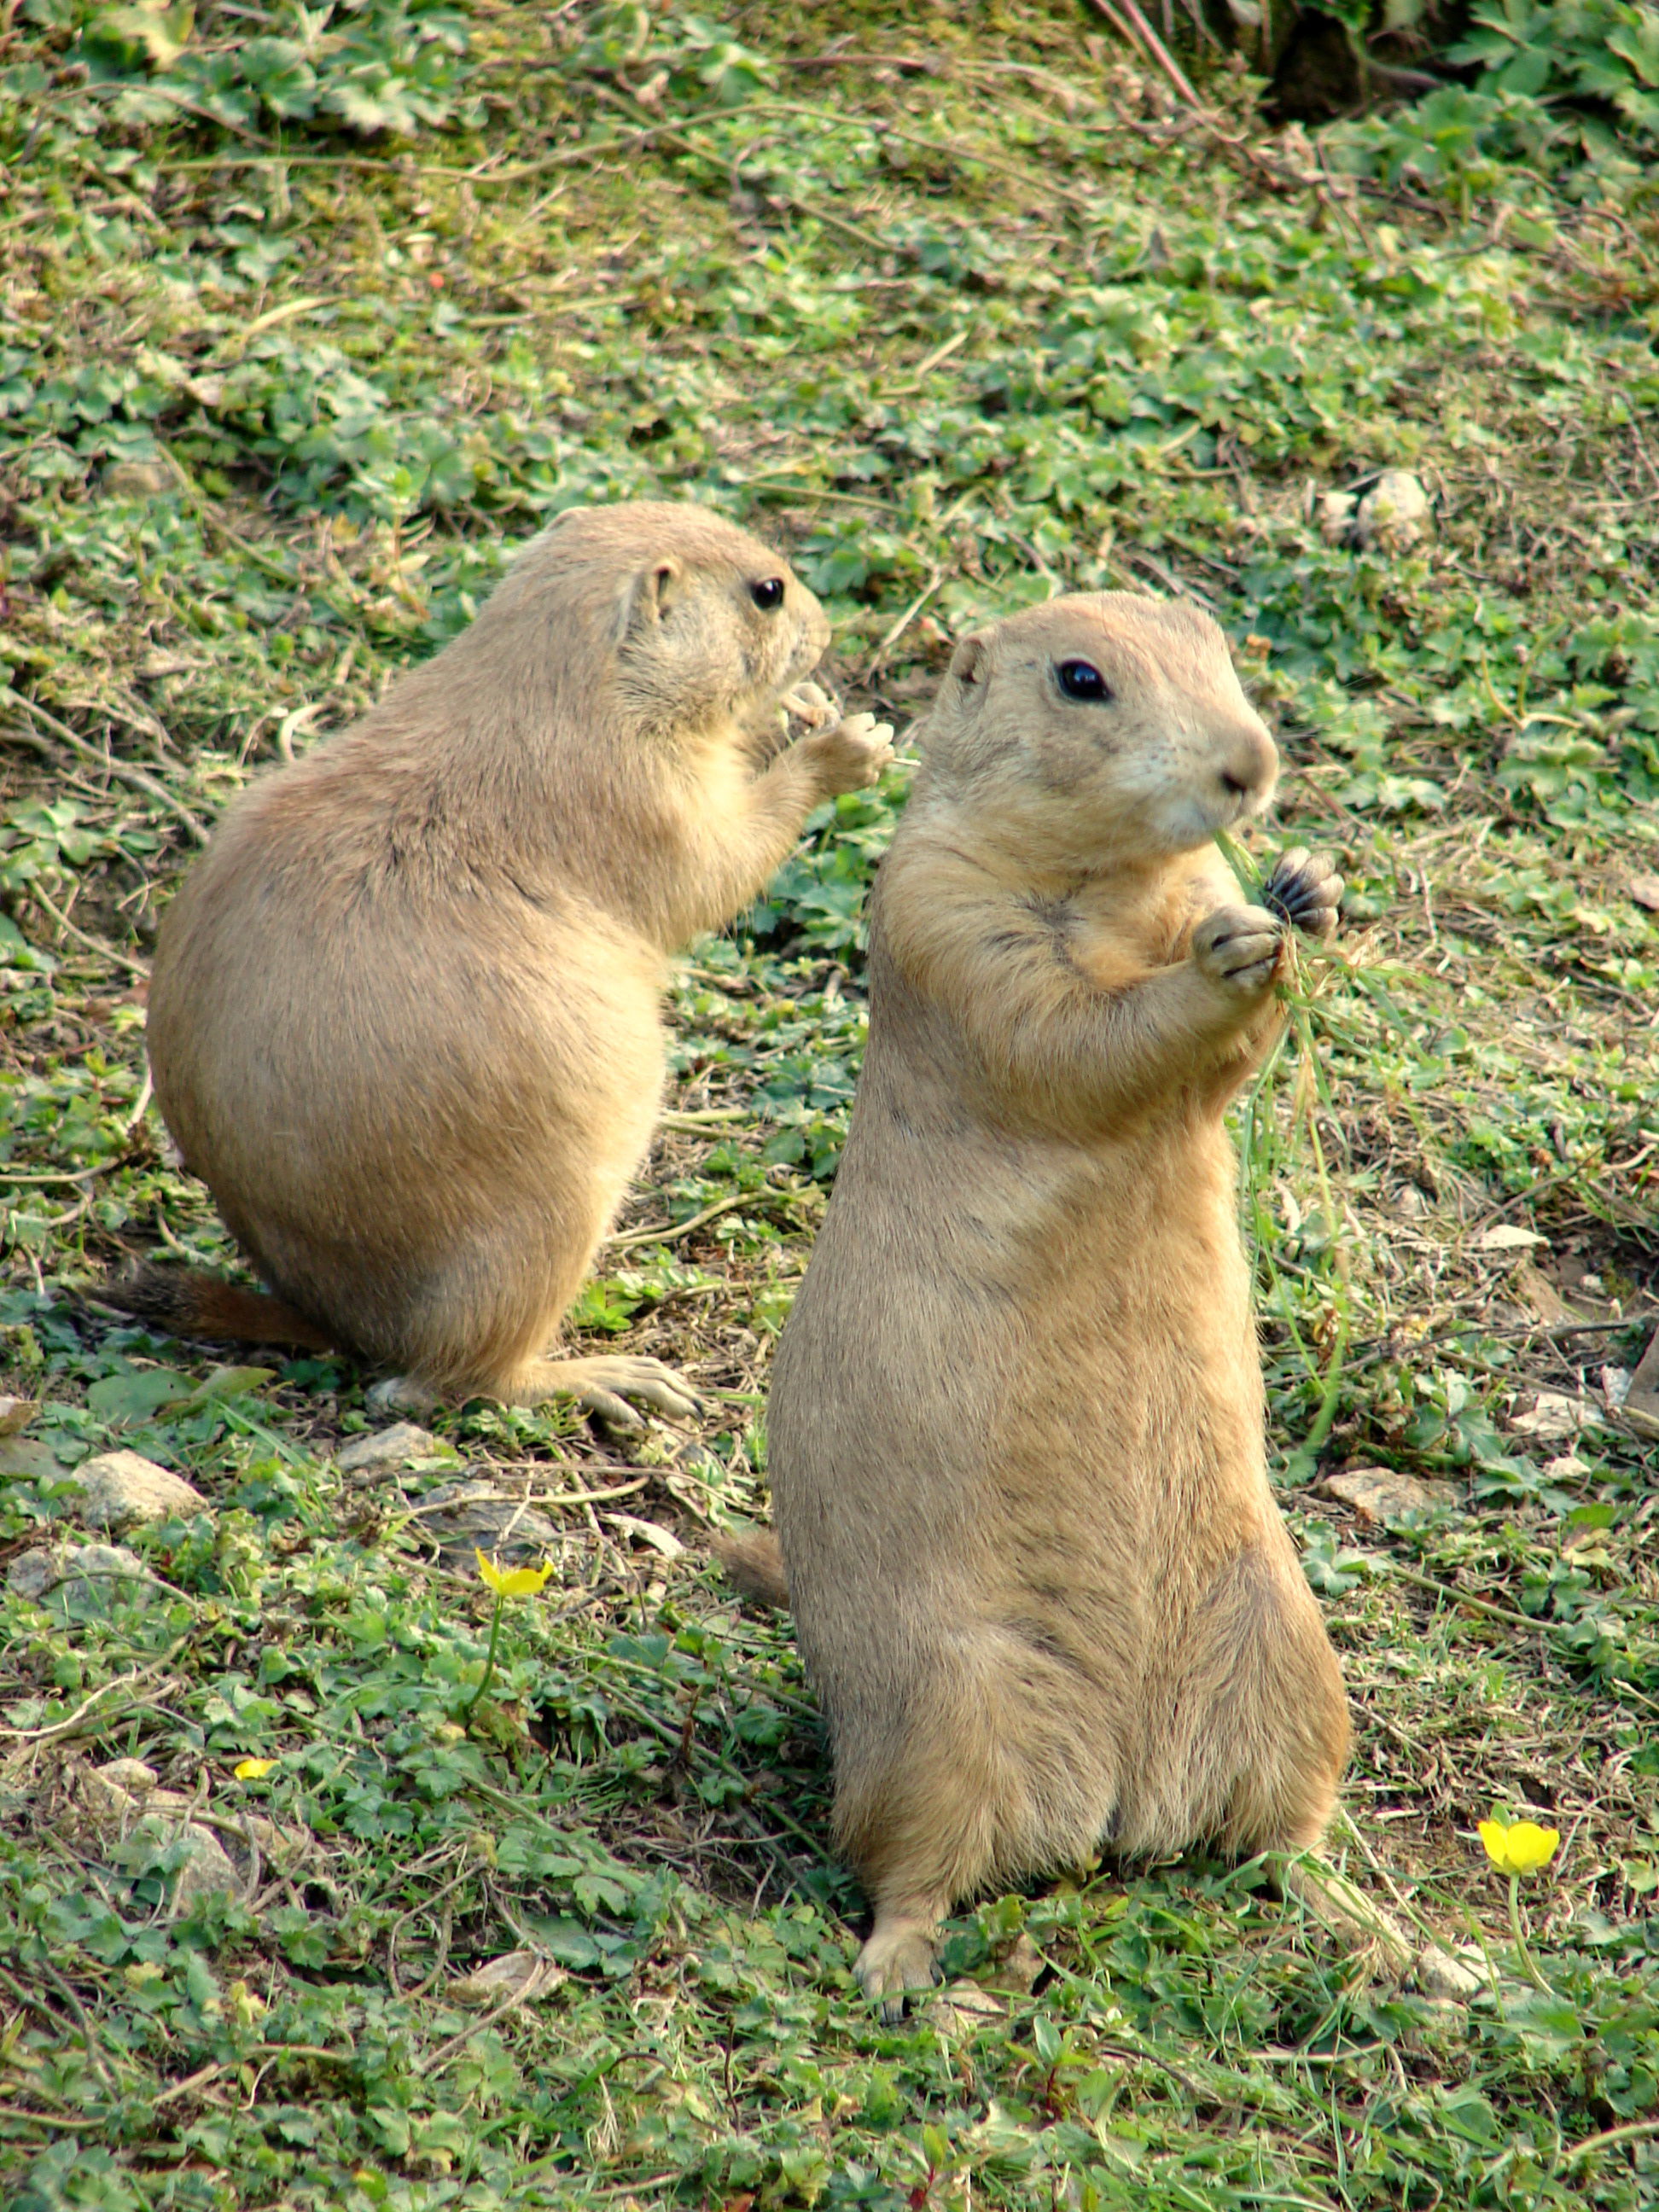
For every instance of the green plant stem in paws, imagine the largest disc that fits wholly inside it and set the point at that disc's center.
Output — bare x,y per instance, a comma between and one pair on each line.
1246,873
1313,1091
1311,1088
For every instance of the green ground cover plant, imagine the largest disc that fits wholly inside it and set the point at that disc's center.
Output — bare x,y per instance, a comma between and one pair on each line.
522,1898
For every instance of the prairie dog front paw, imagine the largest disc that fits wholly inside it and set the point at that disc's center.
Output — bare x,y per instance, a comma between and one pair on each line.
1240,947
851,754
1305,891
810,706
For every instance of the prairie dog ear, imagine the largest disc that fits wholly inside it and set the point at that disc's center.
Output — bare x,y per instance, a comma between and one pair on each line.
649,594
969,663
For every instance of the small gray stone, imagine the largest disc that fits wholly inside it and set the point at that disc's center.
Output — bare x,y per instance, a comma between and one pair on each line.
33,1573
1333,514
519,1974
1393,513
137,480
1443,1977
381,1450
134,1776
80,1574
490,1522
1553,1418
1382,1493
205,1868
120,1488
399,1394
113,1797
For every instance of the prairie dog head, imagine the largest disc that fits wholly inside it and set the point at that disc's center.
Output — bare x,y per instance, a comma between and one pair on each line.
675,615
1103,725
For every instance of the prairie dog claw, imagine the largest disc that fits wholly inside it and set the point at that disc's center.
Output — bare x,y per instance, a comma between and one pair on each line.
1240,947
1305,891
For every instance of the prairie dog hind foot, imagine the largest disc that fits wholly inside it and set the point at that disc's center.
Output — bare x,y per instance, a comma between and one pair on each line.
601,1387
901,1960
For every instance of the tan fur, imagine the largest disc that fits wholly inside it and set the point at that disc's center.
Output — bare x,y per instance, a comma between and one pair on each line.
1017,1419
404,1017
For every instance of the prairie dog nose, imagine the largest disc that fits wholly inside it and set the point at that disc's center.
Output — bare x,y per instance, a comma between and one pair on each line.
1250,763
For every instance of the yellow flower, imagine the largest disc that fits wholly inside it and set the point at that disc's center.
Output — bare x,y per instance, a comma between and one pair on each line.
1521,1848
513,1582
252,1770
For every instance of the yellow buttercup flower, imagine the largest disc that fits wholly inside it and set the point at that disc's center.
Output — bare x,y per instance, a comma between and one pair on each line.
252,1770
506,1581
513,1582
1518,1847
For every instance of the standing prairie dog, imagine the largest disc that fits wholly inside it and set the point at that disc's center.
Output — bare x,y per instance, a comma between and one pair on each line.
405,1021
1016,1421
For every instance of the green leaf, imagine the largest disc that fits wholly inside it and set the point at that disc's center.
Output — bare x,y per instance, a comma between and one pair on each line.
225,1382
137,1395
128,38
16,951
279,72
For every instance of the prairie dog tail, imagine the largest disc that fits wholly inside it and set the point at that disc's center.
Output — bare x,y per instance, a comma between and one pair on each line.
186,1304
755,1564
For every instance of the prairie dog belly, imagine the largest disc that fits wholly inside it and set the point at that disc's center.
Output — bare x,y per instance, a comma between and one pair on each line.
464,1075
979,1312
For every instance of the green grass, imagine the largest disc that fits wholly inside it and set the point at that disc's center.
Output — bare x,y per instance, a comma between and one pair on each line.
960,313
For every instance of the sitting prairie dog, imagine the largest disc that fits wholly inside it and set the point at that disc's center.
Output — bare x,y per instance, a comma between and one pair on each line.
404,1020
1016,1421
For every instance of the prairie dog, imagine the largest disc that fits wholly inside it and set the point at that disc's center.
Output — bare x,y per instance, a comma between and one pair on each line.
1016,1421
403,1019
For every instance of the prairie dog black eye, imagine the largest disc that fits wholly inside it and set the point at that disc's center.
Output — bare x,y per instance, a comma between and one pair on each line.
768,595
1081,679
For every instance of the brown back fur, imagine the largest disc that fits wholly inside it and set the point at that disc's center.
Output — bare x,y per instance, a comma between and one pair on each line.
405,1014
1016,1421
